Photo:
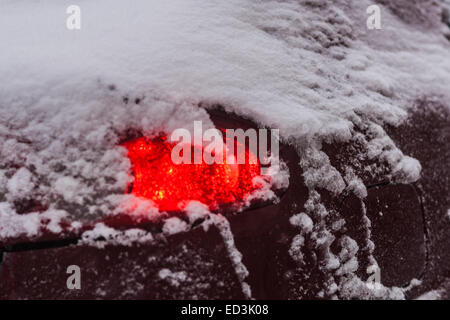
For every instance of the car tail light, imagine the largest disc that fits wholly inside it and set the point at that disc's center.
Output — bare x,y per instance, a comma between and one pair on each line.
169,185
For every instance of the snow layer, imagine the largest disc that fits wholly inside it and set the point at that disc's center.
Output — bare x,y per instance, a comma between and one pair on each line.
431,295
309,68
102,235
173,278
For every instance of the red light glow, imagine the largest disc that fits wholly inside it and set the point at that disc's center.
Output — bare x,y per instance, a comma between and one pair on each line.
157,178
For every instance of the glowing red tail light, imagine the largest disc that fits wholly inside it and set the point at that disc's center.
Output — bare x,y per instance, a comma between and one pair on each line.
169,185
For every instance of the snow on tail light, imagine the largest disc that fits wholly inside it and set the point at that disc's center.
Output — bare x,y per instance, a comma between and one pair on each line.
169,185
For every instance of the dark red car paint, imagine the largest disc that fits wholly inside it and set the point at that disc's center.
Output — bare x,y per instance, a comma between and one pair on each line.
412,240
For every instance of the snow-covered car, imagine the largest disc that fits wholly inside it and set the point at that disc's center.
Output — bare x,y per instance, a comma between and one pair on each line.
356,206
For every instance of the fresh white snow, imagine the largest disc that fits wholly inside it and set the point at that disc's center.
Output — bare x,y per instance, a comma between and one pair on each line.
312,70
